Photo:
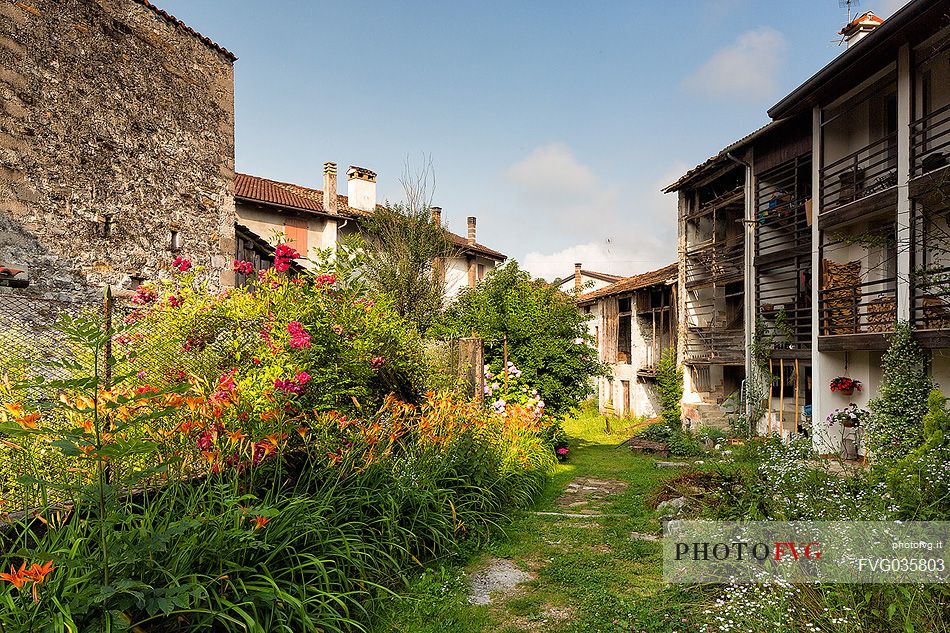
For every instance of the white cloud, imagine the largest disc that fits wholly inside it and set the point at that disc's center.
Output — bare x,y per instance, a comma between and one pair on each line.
604,257
747,69
552,170
614,229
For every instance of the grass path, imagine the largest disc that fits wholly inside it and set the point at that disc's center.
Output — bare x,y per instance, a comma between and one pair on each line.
587,573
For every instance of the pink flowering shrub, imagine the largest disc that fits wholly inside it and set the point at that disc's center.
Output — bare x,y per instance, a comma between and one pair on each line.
289,343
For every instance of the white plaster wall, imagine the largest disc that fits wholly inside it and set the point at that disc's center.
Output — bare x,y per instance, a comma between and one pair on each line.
940,370
866,367
321,232
456,274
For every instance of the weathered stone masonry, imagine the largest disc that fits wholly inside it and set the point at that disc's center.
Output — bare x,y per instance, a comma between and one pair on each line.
116,130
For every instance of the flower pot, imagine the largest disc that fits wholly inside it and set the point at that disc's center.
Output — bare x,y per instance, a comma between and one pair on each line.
849,424
847,392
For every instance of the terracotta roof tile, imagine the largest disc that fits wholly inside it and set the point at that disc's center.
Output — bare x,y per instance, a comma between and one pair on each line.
629,284
589,273
168,17
285,194
480,249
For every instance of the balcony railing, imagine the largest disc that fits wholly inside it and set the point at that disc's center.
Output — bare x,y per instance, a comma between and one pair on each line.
715,261
930,142
860,308
714,345
860,174
931,307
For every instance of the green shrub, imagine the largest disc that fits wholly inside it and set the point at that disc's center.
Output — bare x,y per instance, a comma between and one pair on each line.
669,386
895,426
547,336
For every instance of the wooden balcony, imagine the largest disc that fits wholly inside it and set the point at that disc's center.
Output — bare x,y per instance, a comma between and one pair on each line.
868,171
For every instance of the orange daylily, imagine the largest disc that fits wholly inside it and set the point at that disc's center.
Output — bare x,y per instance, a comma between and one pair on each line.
236,436
260,522
16,576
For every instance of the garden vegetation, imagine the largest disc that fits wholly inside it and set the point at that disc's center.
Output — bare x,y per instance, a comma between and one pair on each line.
264,459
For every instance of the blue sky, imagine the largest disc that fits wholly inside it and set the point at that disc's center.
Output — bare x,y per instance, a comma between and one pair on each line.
555,123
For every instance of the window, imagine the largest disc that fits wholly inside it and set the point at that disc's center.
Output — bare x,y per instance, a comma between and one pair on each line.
175,241
624,330
481,271
297,230
105,227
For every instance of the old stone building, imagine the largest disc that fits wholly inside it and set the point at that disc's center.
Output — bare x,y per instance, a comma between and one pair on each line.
116,146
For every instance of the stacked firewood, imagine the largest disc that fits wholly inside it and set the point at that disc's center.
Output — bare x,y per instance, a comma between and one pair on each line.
840,307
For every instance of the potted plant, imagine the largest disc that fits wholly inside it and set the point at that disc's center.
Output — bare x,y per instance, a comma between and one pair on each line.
845,385
849,417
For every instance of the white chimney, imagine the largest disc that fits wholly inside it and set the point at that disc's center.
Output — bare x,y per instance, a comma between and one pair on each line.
855,30
329,187
361,188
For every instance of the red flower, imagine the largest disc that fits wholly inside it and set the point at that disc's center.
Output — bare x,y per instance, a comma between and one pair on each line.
182,264
144,294
377,362
299,337
283,255
243,267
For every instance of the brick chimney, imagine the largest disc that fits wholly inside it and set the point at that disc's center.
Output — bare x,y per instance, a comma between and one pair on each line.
578,283
361,188
471,229
329,187
855,30
437,216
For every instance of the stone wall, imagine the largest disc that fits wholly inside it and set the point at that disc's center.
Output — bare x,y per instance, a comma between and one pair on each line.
112,114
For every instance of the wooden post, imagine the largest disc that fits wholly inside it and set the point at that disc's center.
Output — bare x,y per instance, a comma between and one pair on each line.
781,396
107,307
472,366
797,415
769,400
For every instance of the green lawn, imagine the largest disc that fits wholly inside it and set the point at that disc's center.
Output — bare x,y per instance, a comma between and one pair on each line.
589,575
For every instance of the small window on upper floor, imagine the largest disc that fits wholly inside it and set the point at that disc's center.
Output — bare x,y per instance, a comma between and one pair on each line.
481,271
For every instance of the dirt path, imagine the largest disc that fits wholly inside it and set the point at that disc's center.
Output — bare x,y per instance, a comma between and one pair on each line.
587,557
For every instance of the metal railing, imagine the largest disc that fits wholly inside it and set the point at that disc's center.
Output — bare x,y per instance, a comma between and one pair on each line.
930,309
930,142
867,171
858,308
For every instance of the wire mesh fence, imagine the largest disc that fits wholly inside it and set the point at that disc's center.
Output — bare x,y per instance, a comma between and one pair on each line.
141,348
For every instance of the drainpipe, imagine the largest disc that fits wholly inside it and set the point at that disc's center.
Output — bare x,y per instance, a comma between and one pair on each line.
748,277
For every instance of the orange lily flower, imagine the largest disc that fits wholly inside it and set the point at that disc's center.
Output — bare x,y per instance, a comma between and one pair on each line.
260,522
28,421
236,436
16,576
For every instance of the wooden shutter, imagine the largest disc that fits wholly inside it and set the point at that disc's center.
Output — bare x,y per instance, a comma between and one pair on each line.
611,324
296,230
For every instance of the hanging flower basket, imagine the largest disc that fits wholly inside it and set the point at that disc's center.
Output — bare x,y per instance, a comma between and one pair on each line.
845,386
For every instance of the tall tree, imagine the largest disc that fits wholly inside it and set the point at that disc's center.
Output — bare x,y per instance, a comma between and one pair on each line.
401,245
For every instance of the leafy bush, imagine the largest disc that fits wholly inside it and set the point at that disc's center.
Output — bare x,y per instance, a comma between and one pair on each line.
248,466
680,443
894,427
547,336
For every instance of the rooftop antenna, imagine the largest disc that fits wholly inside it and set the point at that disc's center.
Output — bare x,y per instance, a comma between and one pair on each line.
849,4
